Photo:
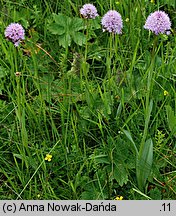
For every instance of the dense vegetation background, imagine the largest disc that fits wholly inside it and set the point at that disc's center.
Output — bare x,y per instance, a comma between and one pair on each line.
103,106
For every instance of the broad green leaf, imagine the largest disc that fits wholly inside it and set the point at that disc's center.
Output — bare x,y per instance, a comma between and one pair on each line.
68,29
147,119
79,38
90,193
144,164
171,119
65,40
120,173
54,28
95,23
61,19
77,24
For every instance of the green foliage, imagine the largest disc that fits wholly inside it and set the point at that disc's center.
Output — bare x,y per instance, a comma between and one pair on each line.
127,133
67,29
144,164
102,105
155,194
171,119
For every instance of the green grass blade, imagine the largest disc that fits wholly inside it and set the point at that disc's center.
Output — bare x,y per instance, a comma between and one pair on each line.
127,133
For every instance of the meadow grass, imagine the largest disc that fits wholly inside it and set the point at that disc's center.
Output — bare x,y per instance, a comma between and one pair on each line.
104,106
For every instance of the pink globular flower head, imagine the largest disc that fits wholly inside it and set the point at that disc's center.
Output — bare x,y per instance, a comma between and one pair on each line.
158,22
89,11
15,33
112,22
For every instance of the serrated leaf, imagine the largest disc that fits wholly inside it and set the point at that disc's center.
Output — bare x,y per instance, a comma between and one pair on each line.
95,23
79,38
54,28
155,194
77,24
65,40
120,174
68,29
61,19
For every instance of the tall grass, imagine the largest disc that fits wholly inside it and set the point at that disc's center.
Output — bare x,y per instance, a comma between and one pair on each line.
104,109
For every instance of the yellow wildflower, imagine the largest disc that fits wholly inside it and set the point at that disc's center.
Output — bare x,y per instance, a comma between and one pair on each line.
166,92
152,1
127,20
119,198
48,157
